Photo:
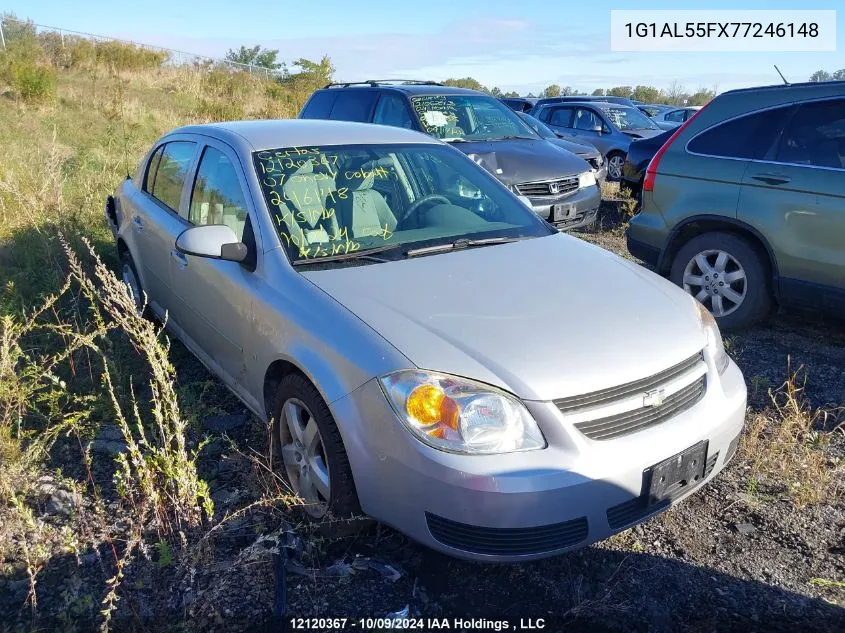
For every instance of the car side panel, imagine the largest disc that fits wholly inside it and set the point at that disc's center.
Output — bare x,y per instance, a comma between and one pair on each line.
804,220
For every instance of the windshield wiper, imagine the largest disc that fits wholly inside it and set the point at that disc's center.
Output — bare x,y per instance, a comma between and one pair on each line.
512,137
459,244
368,254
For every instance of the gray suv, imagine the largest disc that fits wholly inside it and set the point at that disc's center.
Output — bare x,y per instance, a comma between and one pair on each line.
609,126
560,186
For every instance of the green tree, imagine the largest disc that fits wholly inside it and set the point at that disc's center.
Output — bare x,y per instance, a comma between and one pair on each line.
552,91
821,75
255,56
320,72
598,92
646,94
511,93
496,91
568,91
620,91
701,96
839,75
465,82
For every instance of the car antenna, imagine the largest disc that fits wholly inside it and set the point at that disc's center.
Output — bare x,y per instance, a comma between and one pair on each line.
781,74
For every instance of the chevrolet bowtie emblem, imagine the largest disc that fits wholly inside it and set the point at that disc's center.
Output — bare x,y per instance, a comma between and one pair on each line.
654,398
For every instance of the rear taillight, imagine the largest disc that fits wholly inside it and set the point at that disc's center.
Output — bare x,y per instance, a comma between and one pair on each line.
651,170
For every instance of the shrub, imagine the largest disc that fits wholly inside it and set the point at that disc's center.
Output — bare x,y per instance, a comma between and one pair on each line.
34,83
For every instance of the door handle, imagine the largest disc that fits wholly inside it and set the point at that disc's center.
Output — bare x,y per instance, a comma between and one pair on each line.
180,258
772,179
138,222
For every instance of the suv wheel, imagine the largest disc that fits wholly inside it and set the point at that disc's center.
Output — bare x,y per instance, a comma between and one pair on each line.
315,463
615,160
727,275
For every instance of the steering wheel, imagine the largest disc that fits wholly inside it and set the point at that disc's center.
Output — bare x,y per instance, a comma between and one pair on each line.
432,197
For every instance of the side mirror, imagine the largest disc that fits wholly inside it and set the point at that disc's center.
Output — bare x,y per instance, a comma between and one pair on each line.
215,241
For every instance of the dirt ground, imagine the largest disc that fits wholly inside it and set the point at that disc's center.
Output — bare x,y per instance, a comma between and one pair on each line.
732,557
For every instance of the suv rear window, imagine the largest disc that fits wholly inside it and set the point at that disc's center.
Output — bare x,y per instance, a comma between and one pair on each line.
815,136
749,136
353,105
319,105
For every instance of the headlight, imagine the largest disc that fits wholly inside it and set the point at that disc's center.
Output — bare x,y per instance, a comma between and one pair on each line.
714,338
459,415
587,179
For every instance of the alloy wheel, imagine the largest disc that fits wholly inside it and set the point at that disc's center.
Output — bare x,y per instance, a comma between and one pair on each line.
717,280
614,167
304,457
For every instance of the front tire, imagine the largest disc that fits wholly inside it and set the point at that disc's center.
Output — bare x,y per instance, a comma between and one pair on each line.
313,455
727,275
615,160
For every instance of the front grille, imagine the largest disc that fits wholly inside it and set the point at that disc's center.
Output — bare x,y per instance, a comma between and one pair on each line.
631,421
614,394
633,511
558,187
507,541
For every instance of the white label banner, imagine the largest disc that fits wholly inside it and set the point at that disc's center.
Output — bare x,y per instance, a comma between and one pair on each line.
723,30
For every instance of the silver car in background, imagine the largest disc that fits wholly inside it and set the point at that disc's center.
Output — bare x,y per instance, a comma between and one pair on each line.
415,334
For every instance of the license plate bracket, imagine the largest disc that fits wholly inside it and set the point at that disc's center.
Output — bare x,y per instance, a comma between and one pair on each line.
672,477
563,211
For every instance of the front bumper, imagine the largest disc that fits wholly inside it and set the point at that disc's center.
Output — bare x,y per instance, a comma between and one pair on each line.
580,208
522,506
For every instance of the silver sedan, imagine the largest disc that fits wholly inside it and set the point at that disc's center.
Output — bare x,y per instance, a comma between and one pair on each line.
429,351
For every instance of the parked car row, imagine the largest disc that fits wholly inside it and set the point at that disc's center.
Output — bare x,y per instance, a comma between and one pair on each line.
560,186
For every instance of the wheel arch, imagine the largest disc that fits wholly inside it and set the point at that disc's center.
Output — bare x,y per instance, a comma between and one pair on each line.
700,224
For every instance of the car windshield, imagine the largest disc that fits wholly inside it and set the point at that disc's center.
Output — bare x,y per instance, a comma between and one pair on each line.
651,110
343,201
468,118
626,118
538,126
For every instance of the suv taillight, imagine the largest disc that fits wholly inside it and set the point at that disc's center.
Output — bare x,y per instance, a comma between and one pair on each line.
651,170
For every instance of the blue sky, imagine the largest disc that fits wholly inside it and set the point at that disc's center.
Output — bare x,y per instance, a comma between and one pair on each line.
521,46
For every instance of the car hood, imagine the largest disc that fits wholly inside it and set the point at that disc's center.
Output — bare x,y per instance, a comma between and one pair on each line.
643,133
584,151
523,160
543,318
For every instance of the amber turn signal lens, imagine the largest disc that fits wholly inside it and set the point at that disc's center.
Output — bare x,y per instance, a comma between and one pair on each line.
428,404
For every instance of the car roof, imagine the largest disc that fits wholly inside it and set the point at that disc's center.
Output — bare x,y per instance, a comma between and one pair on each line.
271,133
409,89
598,104
804,84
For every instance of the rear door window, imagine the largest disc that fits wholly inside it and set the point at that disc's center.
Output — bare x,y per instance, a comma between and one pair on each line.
319,105
172,171
393,110
749,136
676,117
354,104
815,136
152,168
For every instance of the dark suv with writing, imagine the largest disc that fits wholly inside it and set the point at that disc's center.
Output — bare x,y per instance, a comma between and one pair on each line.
744,205
560,186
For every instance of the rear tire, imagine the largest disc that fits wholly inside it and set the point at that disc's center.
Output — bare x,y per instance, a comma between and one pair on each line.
129,275
313,458
727,275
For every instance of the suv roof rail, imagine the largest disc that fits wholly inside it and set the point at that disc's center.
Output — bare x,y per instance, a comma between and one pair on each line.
382,82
